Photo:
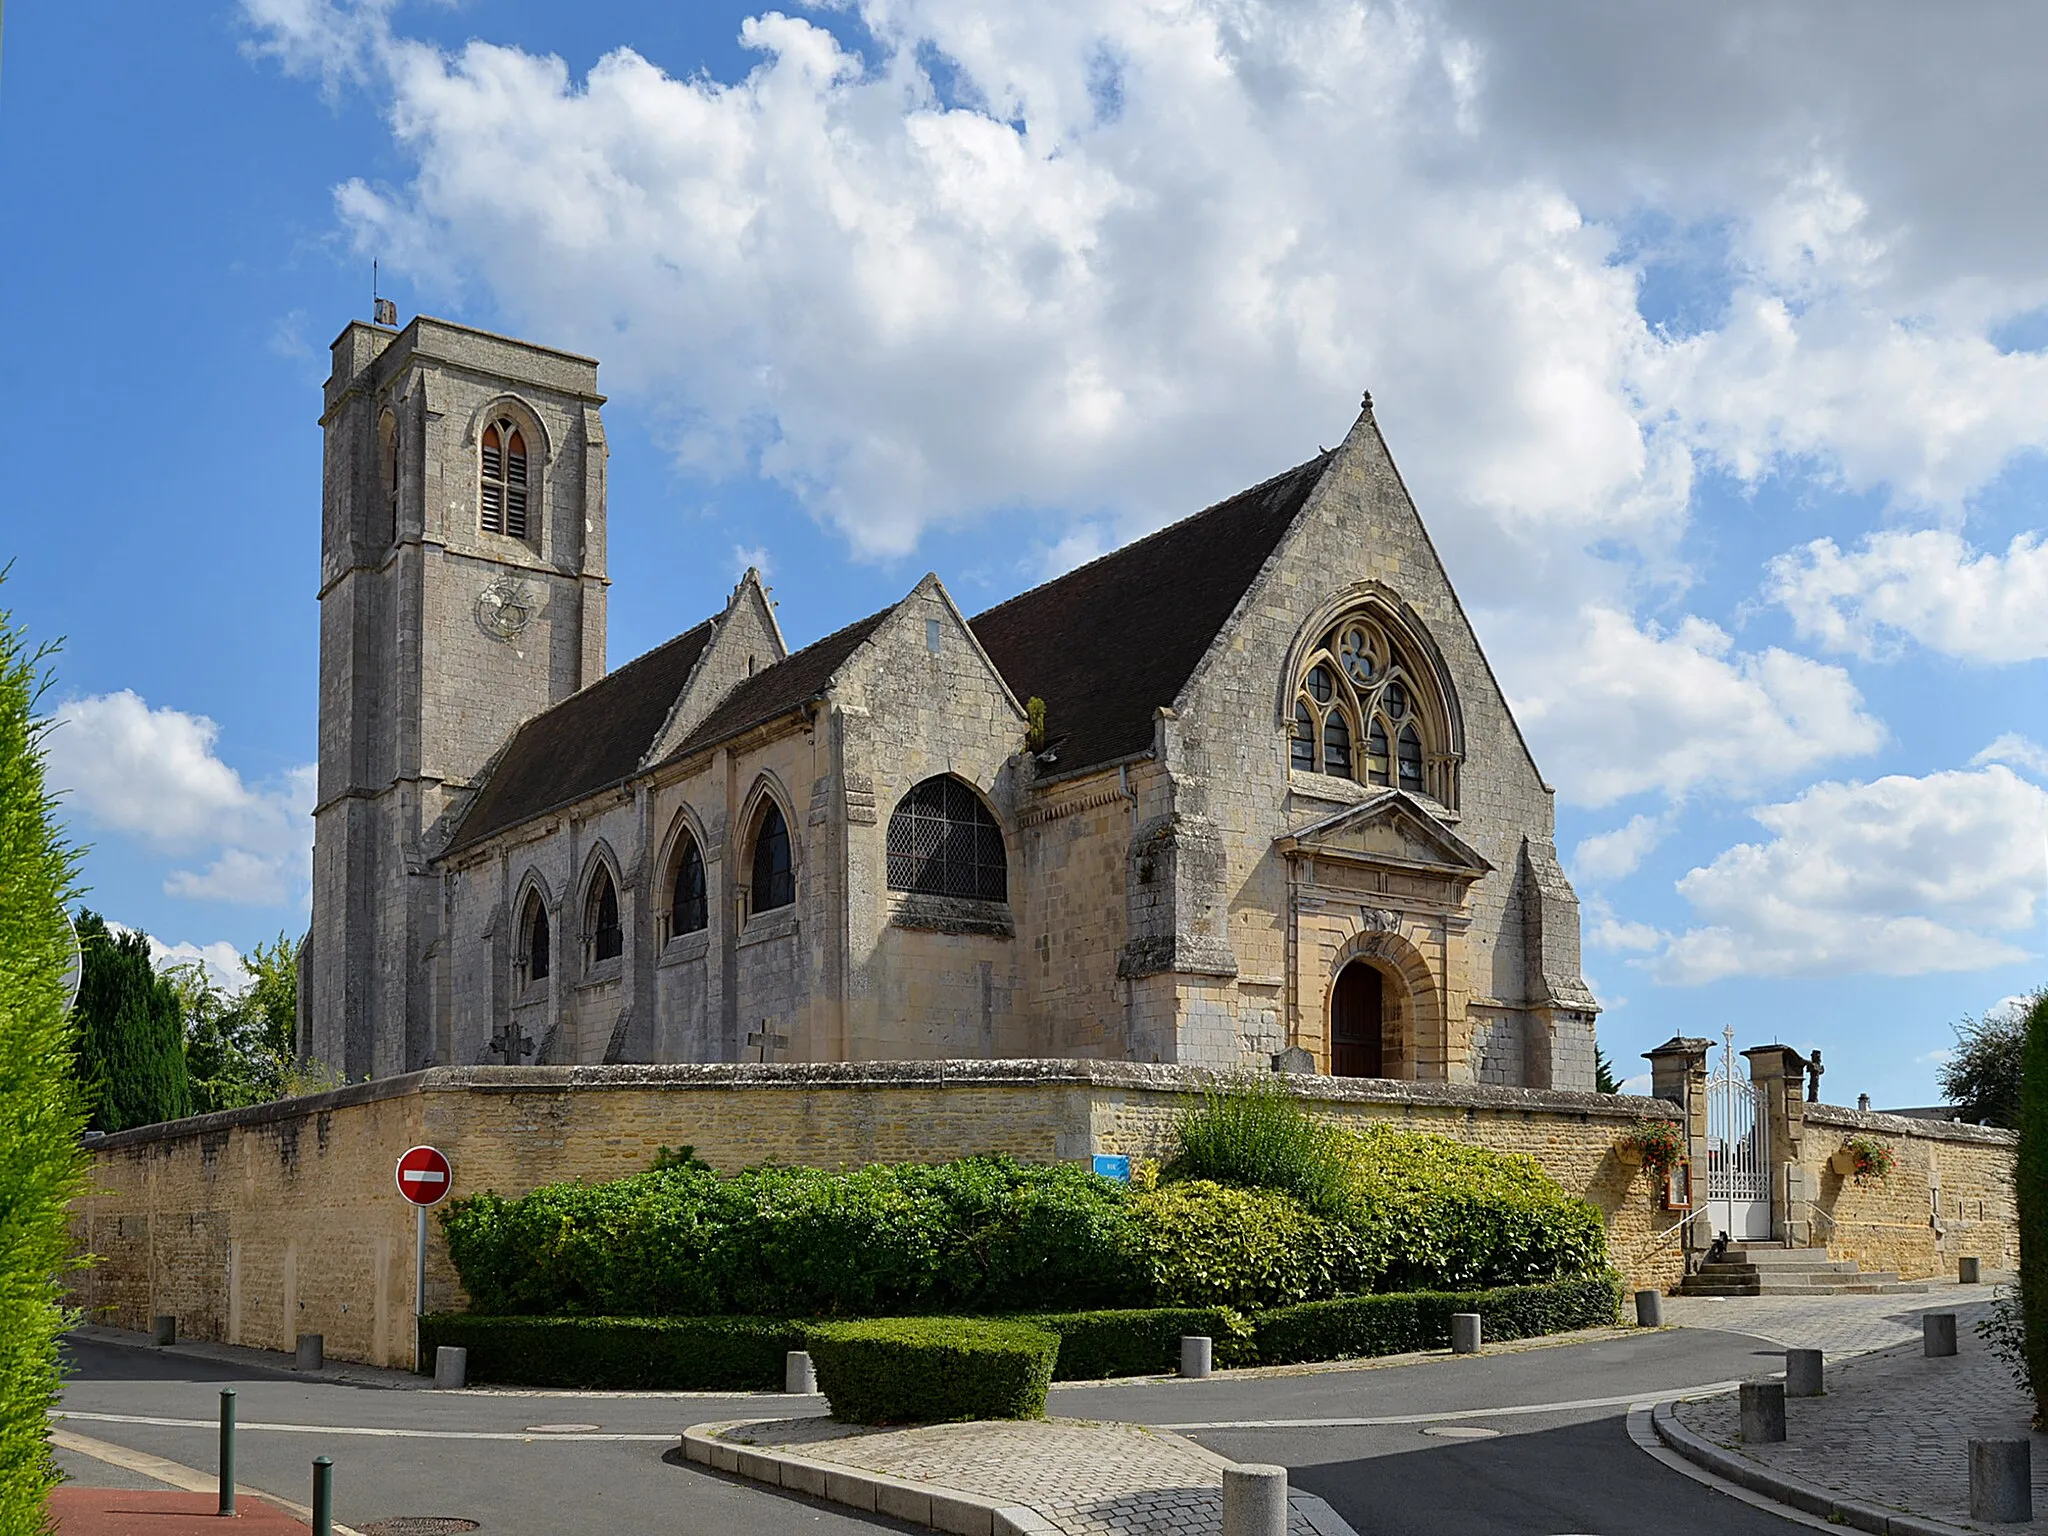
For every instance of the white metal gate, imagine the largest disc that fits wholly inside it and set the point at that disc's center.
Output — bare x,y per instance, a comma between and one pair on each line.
1738,1154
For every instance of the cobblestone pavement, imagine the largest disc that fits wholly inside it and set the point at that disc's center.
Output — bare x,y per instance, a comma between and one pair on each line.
1839,1325
1894,1427
1089,1479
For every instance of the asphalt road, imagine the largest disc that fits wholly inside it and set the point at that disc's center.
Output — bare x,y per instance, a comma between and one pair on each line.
543,1464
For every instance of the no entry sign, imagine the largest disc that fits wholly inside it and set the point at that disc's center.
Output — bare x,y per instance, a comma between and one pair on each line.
423,1176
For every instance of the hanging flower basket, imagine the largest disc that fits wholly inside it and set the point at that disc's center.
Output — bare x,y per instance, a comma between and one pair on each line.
1869,1158
1843,1162
1658,1143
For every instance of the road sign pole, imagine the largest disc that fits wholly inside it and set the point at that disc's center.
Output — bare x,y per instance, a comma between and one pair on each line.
419,1288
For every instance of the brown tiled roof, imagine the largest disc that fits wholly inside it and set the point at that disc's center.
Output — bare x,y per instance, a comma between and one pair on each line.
1109,643
593,739
796,679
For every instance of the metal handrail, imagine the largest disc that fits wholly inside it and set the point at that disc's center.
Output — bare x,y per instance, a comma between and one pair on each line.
1658,1241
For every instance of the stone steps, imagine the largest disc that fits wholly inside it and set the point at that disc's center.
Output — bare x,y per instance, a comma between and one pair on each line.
1778,1271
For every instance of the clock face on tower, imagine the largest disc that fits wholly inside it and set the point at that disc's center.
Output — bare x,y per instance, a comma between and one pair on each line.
505,608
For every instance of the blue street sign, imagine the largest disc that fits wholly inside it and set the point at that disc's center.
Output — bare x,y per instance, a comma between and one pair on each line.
1113,1167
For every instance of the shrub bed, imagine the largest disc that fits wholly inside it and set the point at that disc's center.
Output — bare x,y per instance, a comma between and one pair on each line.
1140,1341
1397,1322
668,1354
928,1370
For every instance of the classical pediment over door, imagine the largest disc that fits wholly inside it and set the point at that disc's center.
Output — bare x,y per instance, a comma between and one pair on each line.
1390,844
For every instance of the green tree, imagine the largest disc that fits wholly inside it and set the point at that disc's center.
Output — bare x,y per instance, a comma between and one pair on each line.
131,1035
238,1046
1982,1078
2030,1193
1603,1073
41,1110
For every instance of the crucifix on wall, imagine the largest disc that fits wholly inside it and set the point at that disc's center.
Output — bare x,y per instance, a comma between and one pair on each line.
767,1041
510,1044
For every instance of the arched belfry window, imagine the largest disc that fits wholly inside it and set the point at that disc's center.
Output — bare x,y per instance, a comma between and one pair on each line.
503,479
944,842
774,882
534,938
1363,710
601,930
387,474
688,911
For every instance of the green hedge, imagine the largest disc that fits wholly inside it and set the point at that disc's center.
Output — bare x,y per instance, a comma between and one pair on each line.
667,1354
928,1370
1140,1341
1395,1323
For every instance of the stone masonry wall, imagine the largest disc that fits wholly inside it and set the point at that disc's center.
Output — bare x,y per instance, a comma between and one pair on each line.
1949,1194
255,1225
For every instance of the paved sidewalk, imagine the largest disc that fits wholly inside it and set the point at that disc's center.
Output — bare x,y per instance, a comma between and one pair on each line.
1894,1428
1840,1325
1084,1478
123,1512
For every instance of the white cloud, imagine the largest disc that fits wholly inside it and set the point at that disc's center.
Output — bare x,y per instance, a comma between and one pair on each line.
220,960
1638,1085
154,774
2020,751
1617,854
1612,933
1616,709
1897,877
1926,586
756,557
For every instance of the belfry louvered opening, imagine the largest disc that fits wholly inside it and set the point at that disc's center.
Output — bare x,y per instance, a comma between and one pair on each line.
503,482
944,842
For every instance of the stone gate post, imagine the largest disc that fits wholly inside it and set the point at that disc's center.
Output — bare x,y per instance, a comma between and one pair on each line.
1779,1075
1678,1072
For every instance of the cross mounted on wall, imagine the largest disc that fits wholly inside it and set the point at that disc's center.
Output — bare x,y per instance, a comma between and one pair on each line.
766,1040
510,1044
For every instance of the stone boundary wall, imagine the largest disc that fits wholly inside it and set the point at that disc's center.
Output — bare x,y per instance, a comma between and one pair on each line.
1949,1194
257,1224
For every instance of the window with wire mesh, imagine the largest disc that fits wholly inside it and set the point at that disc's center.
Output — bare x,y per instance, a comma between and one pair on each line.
944,842
503,484
774,879
688,911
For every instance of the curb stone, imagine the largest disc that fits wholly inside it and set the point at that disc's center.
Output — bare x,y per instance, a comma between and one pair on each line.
1800,1495
928,1504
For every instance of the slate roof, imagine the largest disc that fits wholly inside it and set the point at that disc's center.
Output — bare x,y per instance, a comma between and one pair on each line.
796,679
1107,644
590,741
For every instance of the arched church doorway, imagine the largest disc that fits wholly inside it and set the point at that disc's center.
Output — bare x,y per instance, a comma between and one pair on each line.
1358,1022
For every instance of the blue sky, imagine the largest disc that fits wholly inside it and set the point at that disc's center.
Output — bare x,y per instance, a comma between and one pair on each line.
1718,379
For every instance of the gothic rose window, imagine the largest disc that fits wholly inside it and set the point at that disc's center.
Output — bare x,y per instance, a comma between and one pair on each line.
607,939
534,931
1363,712
503,484
774,883
944,842
688,911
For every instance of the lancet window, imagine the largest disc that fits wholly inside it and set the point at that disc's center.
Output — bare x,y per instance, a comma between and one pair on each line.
688,911
1364,711
503,479
602,931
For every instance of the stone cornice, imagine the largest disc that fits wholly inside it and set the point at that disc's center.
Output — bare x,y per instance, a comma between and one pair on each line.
1908,1125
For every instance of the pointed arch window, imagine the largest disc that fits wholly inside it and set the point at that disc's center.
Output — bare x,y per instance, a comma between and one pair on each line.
534,939
387,474
602,932
774,882
689,911
1362,712
503,479
944,842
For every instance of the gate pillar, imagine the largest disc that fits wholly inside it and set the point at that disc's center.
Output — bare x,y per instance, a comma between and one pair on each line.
1678,1072
1779,1075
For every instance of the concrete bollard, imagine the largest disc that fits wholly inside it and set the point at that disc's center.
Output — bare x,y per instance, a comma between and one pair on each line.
311,1354
799,1374
1938,1333
451,1367
1649,1309
1197,1354
2001,1481
1969,1271
1803,1374
1465,1333
1763,1412
163,1329
1254,1500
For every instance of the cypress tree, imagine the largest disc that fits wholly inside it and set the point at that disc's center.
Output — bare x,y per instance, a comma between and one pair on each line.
41,1113
2030,1192
131,1050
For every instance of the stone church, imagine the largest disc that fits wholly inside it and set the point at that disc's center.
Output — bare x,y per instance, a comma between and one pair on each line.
1244,791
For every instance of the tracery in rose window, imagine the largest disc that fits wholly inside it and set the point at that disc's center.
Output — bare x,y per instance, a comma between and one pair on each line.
1363,712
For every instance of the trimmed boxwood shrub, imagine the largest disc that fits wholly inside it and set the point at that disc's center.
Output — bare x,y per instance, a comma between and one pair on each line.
666,1354
1397,1322
1202,1244
1140,1341
928,1370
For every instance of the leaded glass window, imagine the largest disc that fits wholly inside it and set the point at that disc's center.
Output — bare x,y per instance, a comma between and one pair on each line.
1410,758
774,883
535,932
944,842
688,911
601,918
1362,712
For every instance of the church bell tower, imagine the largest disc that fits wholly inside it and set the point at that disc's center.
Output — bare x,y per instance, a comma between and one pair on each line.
462,591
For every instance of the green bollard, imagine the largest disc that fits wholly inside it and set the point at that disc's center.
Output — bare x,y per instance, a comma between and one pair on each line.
323,1496
227,1450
